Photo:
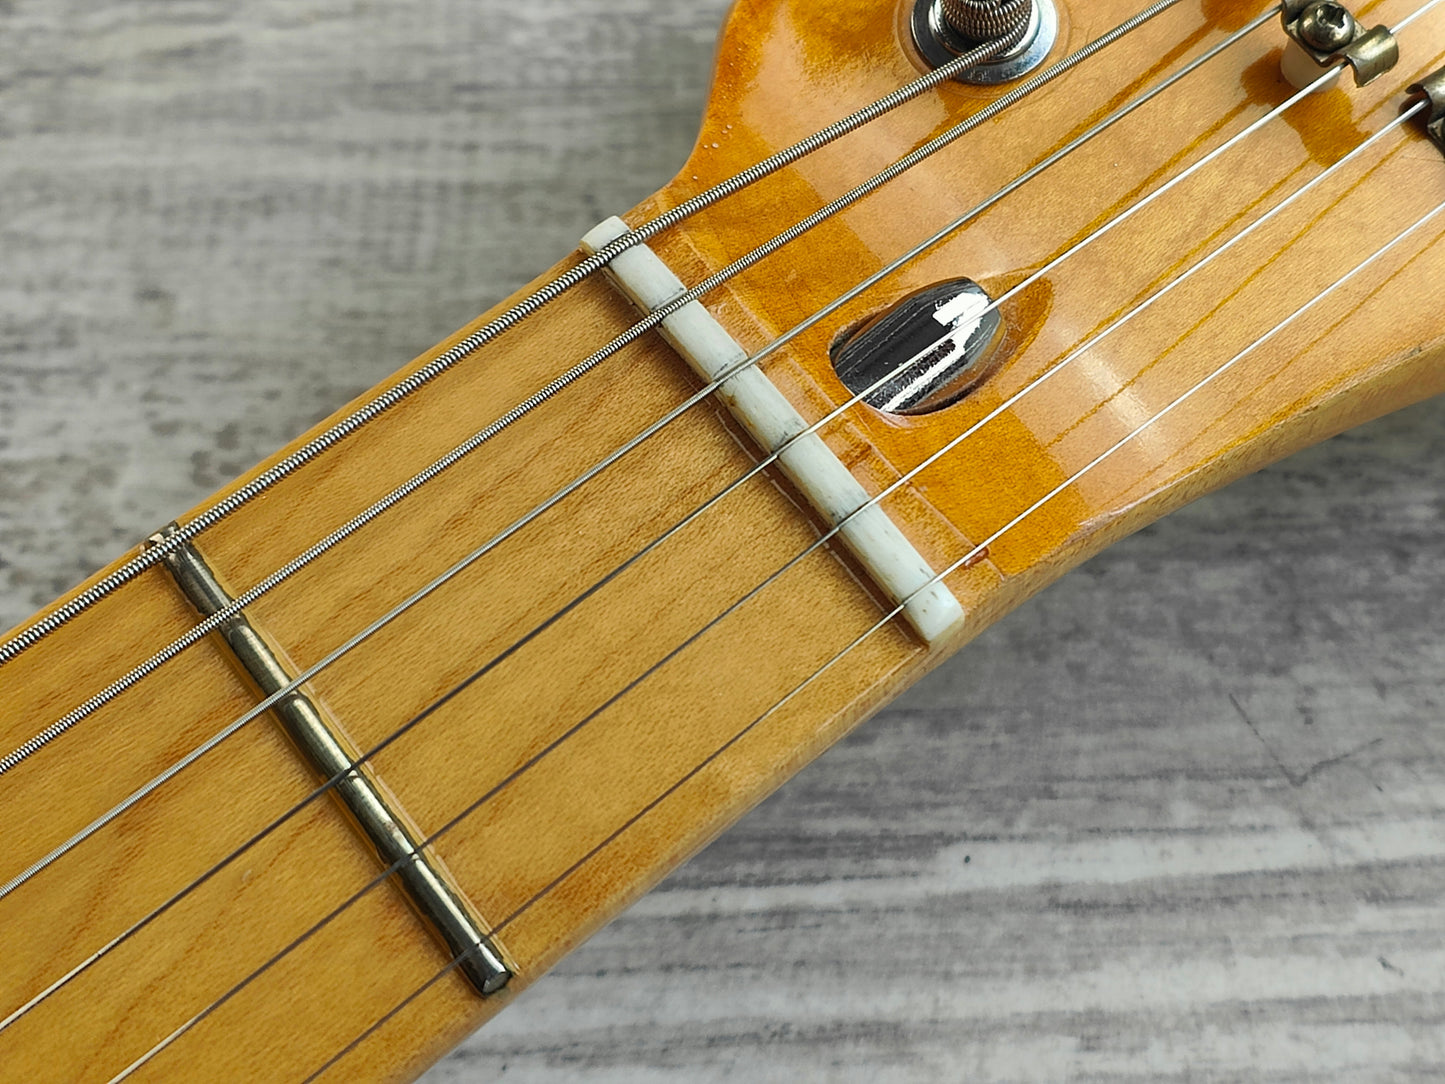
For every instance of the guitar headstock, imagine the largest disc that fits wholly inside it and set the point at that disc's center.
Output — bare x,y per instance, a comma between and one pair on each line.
1129,271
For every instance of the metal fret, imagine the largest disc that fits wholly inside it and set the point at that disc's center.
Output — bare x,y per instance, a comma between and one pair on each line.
333,757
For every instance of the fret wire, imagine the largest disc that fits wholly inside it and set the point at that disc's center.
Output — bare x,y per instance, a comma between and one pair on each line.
466,562
527,307
885,622
636,331
758,468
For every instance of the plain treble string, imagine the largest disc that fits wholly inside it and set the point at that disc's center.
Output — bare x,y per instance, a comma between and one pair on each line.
209,624
887,619
758,468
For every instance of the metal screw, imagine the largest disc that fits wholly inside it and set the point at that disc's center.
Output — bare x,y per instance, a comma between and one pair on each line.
1326,26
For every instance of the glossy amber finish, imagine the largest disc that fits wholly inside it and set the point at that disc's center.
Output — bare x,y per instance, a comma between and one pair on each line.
574,799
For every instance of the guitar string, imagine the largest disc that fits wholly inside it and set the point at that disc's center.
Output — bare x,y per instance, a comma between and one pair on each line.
37,630
974,553
636,331
431,839
758,468
471,558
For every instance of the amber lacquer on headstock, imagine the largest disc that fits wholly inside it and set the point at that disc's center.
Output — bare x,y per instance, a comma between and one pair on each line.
630,650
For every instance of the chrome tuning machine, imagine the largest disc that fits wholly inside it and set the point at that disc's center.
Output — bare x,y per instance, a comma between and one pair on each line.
1025,31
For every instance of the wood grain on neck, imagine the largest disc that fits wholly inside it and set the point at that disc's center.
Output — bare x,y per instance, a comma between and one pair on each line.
589,824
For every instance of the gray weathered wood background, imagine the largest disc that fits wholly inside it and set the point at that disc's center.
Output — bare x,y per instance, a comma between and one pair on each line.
1178,819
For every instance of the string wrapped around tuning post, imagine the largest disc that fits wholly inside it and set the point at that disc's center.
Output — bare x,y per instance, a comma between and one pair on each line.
987,20
1021,32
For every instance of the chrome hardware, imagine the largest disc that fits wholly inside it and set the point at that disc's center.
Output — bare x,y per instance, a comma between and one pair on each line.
984,20
1327,28
331,754
946,29
1432,89
931,346
1322,33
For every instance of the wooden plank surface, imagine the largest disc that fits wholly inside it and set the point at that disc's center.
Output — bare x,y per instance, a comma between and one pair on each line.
1180,817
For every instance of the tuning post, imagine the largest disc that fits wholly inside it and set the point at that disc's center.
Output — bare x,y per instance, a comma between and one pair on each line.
1026,31
1323,33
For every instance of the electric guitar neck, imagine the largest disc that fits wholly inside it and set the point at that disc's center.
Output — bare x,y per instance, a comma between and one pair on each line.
315,780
